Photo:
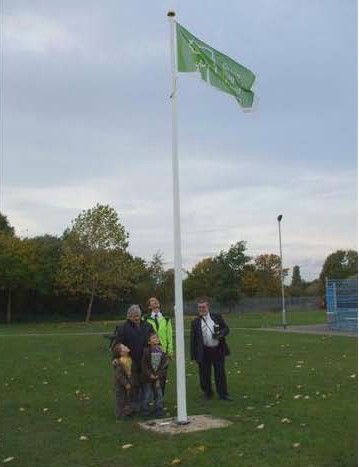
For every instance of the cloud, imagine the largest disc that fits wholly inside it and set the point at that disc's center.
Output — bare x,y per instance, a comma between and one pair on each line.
35,34
89,121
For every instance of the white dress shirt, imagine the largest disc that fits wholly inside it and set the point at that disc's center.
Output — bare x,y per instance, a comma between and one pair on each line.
207,325
155,314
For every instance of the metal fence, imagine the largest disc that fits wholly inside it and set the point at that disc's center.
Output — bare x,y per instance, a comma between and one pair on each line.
342,304
260,304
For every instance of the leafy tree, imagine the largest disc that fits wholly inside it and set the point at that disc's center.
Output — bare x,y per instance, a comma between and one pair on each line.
166,292
312,289
5,227
297,284
339,265
157,271
94,260
17,269
201,280
235,259
47,249
220,277
268,267
250,281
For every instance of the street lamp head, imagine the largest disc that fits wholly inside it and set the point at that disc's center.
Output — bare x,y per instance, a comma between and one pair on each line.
279,218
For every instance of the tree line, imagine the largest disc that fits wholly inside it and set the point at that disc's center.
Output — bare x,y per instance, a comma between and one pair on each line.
90,263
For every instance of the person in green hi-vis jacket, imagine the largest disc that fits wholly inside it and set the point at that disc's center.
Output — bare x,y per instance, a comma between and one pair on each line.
163,328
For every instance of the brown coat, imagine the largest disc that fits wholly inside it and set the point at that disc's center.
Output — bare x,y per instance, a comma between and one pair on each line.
147,369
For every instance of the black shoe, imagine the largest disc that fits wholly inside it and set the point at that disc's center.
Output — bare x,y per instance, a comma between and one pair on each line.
225,398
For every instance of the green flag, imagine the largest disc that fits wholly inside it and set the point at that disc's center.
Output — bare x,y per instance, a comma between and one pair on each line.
215,68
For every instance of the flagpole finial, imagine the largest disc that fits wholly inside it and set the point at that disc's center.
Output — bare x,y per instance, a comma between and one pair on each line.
171,14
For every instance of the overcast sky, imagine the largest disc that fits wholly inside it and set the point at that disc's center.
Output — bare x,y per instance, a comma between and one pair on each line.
86,118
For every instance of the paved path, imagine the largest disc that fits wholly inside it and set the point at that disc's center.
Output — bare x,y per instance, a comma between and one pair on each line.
312,329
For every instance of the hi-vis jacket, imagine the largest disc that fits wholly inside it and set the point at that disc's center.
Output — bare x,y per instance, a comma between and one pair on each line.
164,332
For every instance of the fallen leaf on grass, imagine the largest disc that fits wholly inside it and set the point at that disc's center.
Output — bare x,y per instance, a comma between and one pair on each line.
176,461
297,396
83,438
201,448
45,409
352,376
59,420
286,420
260,427
8,459
296,445
126,446
22,409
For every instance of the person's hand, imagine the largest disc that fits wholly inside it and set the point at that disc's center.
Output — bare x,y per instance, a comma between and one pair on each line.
127,387
154,377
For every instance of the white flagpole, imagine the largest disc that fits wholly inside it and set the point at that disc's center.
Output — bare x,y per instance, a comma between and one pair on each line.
180,355
284,322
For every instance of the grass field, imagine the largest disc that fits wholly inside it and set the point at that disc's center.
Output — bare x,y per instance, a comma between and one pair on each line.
295,401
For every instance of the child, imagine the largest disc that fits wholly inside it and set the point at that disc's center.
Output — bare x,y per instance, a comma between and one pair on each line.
122,364
154,372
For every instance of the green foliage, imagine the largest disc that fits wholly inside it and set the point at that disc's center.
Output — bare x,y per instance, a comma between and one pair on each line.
201,280
312,289
17,270
220,277
297,285
263,278
268,267
339,265
5,227
47,254
94,260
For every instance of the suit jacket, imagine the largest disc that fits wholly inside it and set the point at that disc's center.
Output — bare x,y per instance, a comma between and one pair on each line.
196,340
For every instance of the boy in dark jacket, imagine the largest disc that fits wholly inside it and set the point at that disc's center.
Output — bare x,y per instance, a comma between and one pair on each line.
123,380
154,373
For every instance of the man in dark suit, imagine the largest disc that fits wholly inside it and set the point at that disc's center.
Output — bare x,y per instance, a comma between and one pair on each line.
209,348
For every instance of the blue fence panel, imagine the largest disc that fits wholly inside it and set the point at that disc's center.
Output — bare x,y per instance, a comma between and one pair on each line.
342,304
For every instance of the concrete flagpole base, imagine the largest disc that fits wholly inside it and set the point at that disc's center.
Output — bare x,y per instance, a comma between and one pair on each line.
173,427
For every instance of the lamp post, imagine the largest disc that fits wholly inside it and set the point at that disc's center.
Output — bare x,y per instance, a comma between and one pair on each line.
284,323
